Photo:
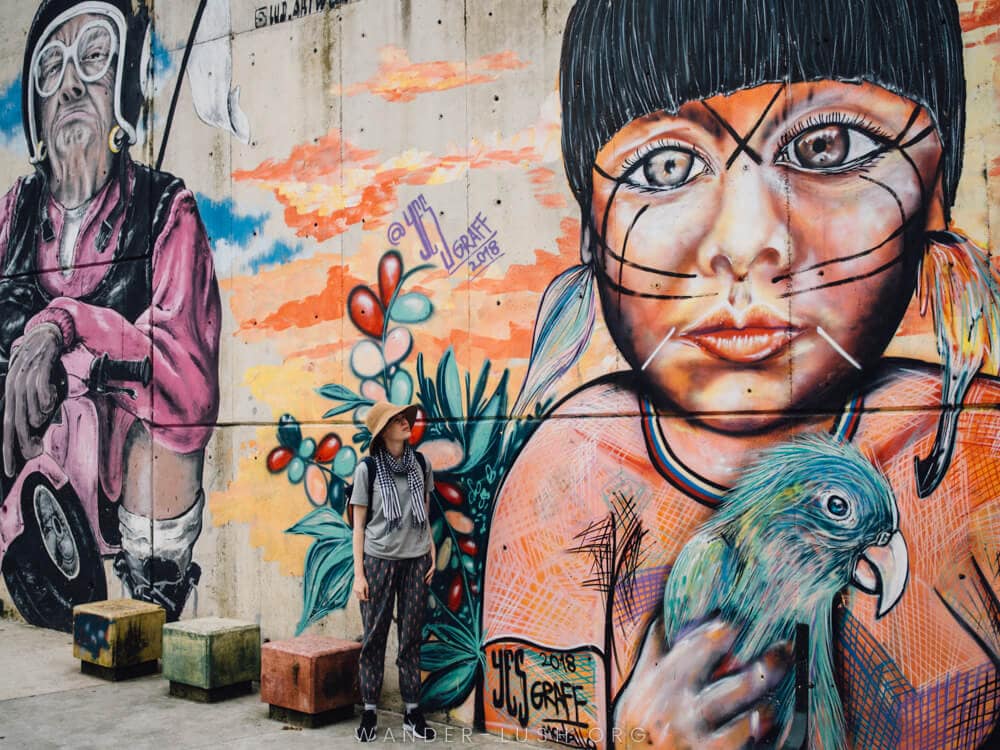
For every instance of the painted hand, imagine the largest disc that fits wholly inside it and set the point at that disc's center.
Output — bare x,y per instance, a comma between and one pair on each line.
361,587
29,396
672,702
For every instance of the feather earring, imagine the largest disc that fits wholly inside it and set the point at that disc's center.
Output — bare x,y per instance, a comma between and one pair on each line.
960,287
563,327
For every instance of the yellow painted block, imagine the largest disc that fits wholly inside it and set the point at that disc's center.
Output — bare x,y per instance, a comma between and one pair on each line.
118,632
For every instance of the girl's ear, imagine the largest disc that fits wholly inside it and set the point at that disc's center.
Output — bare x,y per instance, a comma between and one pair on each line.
937,216
586,243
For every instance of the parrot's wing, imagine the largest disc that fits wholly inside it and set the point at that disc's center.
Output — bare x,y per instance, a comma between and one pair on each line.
694,587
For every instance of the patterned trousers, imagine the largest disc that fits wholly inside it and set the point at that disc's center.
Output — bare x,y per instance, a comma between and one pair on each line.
401,581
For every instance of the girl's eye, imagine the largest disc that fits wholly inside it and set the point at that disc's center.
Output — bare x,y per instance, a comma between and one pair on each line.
665,169
829,148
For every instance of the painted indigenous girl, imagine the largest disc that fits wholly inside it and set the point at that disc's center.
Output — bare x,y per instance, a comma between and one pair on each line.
764,187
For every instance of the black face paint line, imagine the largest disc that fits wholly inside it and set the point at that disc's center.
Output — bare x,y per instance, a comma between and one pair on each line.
608,250
849,280
621,265
743,142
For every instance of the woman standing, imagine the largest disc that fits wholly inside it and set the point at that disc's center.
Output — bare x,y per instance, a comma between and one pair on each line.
393,560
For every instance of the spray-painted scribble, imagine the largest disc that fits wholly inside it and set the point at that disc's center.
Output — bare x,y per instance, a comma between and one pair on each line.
477,245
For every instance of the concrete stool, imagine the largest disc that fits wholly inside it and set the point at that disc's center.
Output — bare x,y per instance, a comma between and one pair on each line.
118,639
211,658
310,681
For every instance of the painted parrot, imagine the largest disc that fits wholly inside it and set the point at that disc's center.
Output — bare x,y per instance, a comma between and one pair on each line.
806,519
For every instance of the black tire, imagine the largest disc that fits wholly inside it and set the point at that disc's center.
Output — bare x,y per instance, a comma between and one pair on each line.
43,592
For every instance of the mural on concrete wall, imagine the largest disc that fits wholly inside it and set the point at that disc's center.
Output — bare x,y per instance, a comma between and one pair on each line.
747,386
755,231
110,332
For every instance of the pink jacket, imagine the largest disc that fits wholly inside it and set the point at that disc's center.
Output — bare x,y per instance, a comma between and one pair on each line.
179,331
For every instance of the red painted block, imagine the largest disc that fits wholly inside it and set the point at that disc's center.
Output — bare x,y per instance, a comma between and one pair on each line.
310,674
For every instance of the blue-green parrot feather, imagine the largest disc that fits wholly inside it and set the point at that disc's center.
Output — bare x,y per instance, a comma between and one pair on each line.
806,519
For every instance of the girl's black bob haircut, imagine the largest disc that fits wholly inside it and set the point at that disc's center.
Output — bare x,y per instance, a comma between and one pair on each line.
623,59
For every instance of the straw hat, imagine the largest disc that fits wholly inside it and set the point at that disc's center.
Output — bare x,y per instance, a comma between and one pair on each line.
382,412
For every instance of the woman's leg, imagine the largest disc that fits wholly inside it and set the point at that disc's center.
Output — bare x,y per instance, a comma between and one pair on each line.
376,614
410,622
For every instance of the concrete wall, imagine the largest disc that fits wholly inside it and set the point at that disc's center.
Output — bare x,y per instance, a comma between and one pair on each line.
384,213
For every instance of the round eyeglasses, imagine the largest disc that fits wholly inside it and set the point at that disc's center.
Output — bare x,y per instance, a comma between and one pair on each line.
91,53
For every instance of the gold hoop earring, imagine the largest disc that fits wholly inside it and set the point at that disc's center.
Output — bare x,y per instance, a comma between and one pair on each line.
41,150
116,139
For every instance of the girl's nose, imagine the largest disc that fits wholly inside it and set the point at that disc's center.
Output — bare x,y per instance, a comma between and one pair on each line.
751,227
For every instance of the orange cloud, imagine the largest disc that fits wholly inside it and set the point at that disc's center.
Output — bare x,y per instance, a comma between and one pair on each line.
983,13
324,194
326,305
400,80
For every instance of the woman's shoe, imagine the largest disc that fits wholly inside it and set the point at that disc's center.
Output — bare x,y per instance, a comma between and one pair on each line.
413,722
368,728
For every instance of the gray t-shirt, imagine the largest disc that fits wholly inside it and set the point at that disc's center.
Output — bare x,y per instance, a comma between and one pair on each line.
404,542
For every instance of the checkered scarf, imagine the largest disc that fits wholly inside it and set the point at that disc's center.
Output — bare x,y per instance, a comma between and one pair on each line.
386,465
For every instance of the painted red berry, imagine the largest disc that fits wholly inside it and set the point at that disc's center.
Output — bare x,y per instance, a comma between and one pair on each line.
450,492
366,311
455,593
467,545
390,269
419,427
327,448
278,459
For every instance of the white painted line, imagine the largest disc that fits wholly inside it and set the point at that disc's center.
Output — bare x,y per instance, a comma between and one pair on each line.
658,347
837,347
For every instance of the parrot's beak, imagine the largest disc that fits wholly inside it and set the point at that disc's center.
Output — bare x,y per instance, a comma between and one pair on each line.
882,570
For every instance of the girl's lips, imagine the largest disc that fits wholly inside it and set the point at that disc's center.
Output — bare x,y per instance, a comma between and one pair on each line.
752,335
743,345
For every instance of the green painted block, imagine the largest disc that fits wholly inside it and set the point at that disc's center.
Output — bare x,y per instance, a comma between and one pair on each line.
211,652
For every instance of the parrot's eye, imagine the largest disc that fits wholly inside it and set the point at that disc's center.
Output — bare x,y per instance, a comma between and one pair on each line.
837,506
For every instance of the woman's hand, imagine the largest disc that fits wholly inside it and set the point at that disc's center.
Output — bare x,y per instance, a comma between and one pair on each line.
430,568
671,701
361,587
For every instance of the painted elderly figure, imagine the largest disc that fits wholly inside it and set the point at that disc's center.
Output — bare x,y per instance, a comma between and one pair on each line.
105,265
763,187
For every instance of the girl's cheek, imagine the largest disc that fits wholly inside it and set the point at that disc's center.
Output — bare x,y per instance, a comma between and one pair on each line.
661,232
831,221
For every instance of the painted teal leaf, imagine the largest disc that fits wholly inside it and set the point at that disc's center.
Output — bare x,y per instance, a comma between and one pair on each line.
411,308
486,428
338,392
448,687
461,638
329,568
321,523
339,409
427,392
435,655
289,432
477,396
449,386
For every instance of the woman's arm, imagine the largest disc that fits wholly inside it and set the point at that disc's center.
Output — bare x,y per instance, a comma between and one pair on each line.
360,502
428,486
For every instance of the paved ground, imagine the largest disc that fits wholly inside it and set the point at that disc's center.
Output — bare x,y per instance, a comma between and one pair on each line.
46,703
